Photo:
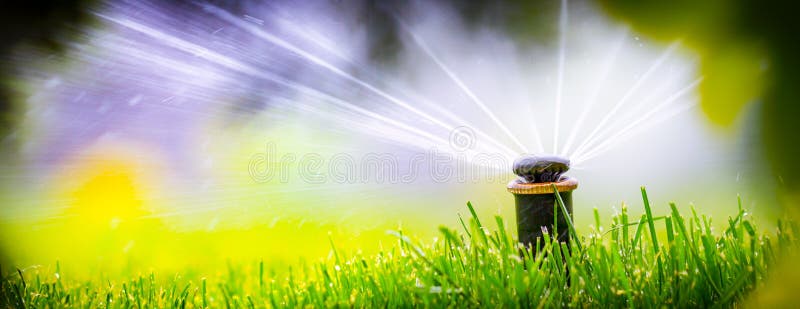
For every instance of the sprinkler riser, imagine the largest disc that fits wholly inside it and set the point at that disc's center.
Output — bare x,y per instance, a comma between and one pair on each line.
535,215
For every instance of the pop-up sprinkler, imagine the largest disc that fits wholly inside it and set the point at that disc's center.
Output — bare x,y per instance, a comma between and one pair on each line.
536,201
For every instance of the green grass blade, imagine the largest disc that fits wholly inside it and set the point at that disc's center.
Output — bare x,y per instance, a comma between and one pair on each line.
572,232
653,238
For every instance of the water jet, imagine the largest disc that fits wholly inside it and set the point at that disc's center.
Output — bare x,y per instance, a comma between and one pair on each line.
538,214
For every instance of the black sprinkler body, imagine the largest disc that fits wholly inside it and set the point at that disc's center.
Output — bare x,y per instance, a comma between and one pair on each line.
536,201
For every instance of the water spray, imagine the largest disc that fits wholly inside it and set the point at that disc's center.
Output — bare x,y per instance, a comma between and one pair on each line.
538,212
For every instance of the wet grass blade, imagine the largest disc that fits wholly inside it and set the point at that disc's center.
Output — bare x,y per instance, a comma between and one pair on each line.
572,232
653,238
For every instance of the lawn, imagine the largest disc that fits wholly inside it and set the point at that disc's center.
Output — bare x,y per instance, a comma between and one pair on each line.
675,259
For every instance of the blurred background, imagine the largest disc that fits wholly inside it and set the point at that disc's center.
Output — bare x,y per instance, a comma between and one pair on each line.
180,136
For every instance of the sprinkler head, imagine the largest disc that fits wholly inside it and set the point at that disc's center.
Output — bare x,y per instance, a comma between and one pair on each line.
539,169
540,191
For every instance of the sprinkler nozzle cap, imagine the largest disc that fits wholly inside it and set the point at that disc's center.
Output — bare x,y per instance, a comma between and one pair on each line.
540,169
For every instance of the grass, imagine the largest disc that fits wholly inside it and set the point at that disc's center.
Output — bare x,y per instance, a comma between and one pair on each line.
671,259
